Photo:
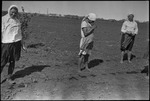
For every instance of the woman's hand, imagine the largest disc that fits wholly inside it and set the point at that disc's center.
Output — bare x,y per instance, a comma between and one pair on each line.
129,32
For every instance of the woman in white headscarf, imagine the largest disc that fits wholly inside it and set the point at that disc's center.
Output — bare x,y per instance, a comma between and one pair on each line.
10,40
86,43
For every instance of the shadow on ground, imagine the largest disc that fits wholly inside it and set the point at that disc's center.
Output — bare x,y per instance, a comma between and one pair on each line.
35,45
29,70
145,70
95,62
126,56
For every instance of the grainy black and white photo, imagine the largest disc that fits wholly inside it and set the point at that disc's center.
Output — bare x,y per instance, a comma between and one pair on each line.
75,50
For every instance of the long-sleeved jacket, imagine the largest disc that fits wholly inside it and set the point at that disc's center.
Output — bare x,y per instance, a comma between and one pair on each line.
129,27
10,29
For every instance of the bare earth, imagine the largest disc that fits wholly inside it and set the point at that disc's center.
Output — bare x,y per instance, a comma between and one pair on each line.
48,70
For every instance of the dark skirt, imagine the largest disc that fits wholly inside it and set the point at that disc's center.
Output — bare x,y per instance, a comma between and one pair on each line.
90,45
127,41
10,52
86,48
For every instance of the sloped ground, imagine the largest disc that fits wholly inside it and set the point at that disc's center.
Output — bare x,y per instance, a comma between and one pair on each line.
48,70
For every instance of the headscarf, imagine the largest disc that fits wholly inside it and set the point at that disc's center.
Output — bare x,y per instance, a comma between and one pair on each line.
92,16
131,14
10,9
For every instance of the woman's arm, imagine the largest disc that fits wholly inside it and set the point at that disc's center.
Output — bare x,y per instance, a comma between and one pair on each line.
88,30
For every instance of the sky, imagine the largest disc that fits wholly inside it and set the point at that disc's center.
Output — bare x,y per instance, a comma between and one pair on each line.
103,9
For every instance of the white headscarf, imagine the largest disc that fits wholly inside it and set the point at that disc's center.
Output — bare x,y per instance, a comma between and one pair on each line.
10,9
92,16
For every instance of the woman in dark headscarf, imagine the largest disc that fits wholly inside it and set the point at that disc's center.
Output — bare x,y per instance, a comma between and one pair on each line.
146,57
128,31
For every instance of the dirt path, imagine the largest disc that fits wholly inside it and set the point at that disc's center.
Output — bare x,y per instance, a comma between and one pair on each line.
107,80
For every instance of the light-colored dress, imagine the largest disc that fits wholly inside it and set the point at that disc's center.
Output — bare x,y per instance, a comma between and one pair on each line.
86,43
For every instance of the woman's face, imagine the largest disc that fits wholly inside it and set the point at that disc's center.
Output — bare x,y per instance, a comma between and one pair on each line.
130,17
13,13
91,22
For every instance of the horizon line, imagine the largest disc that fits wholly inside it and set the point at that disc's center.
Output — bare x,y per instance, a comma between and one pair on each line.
77,15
